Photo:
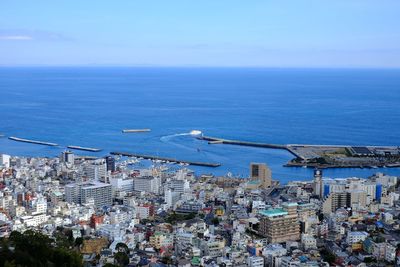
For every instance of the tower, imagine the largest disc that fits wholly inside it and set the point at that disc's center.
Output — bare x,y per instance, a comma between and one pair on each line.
318,183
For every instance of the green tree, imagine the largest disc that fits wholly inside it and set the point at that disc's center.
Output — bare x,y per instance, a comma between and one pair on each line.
35,249
78,241
121,258
122,247
215,220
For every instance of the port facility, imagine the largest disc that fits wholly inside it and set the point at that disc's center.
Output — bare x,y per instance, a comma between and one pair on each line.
195,163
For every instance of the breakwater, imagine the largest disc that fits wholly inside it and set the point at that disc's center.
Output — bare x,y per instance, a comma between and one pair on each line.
195,163
31,141
90,149
215,140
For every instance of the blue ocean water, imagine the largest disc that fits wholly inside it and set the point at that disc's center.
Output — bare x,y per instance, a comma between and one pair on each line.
90,107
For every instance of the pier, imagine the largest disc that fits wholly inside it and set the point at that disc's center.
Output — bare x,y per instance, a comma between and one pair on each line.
194,163
327,156
90,149
136,130
215,140
31,141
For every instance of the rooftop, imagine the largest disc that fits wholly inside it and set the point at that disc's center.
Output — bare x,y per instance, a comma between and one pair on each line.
273,212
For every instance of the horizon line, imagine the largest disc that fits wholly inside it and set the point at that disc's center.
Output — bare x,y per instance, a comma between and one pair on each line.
193,66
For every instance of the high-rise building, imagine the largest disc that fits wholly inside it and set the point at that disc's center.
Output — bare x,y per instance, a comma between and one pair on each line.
179,186
318,183
147,184
67,157
336,200
261,172
82,193
5,160
280,224
110,163
96,171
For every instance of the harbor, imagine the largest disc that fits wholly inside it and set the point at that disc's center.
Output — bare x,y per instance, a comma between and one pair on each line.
90,149
166,159
31,141
328,156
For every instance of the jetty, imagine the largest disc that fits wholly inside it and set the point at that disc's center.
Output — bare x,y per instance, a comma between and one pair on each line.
215,140
90,149
194,163
327,156
31,141
136,130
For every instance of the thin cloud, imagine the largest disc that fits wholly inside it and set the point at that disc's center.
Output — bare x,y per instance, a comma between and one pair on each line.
29,35
16,37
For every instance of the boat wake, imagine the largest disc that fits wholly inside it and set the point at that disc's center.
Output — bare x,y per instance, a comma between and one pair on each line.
194,133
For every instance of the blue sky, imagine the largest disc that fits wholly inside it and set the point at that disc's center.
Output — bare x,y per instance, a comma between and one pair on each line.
281,33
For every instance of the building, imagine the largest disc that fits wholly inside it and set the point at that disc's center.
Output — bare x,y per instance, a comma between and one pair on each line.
260,172
280,224
273,254
355,237
147,184
82,193
110,164
5,160
179,186
96,171
145,211
189,207
67,157
318,183
121,184
255,261
171,198
308,242
336,200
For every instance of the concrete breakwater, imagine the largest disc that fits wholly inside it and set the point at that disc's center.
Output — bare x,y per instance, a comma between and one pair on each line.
195,163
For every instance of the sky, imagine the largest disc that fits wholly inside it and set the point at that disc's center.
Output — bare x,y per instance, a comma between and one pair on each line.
228,33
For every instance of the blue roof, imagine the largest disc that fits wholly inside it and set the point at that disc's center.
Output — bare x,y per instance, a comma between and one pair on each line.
273,212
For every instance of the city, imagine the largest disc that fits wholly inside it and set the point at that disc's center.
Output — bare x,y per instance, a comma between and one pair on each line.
114,211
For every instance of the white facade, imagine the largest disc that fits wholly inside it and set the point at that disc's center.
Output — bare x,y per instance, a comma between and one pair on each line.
255,261
148,184
5,160
96,171
121,185
355,237
81,193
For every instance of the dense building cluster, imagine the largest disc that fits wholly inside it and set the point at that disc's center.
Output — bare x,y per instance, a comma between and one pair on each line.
120,211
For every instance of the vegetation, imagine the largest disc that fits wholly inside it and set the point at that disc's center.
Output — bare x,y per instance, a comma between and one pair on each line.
122,247
121,258
35,249
176,217
327,256
215,221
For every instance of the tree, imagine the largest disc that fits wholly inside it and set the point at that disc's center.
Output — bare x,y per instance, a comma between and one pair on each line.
215,221
35,249
122,247
121,258
78,241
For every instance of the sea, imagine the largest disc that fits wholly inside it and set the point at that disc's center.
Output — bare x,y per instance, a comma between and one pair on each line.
89,106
